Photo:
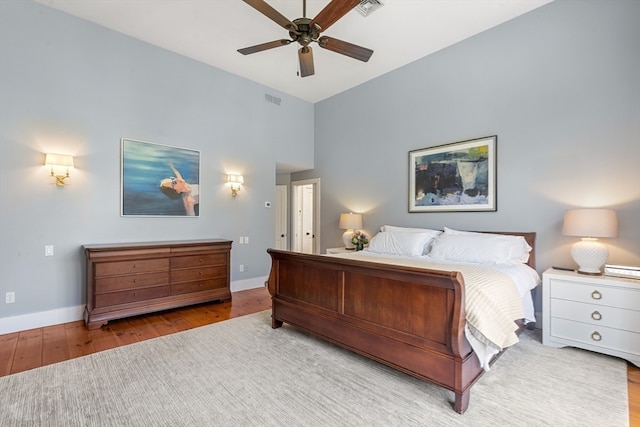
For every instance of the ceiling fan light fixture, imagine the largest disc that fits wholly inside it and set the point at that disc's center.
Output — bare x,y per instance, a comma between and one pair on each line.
307,31
367,7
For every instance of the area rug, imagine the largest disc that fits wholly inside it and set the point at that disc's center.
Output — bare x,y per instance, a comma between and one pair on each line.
241,372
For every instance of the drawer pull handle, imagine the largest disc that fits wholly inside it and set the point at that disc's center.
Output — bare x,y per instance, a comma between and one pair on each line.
135,295
134,266
200,273
596,315
596,336
596,295
200,259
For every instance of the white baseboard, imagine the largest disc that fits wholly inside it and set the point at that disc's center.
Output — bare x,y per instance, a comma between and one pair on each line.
243,285
71,314
40,319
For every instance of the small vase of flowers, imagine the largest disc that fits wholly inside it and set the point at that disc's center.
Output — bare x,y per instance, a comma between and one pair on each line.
359,239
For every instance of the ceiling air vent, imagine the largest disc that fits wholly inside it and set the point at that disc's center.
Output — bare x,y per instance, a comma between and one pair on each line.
367,7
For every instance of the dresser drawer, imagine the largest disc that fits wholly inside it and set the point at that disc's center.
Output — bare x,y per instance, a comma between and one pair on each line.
599,336
130,282
596,315
596,294
198,260
199,286
125,297
131,267
198,274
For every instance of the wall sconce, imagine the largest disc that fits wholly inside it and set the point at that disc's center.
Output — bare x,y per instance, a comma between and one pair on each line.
351,222
57,162
589,224
235,181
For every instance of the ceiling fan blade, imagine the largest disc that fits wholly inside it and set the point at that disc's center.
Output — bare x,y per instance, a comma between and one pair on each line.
335,10
305,56
272,14
263,46
354,51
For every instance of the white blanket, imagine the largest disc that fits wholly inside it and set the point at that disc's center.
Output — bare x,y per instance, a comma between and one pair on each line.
493,299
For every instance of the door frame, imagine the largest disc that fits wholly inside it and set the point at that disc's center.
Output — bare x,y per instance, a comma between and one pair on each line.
295,202
282,216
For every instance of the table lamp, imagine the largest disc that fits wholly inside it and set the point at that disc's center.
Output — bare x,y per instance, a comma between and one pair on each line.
350,222
589,224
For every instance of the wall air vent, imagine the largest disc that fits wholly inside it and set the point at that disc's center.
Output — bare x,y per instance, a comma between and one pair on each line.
272,99
367,7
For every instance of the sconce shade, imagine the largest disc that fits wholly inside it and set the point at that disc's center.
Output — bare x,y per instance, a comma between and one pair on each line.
58,160
350,221
589,224
235,179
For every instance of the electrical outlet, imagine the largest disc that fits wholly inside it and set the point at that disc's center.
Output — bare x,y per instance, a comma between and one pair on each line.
246,240
10,297
48,250
241,268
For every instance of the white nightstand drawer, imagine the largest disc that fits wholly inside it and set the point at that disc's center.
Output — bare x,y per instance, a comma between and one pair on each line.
595,293
598,336
596,315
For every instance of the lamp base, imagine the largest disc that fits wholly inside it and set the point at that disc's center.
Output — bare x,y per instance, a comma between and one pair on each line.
590,255
346,238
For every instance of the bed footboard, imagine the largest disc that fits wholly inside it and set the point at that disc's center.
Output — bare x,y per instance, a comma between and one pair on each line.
408,318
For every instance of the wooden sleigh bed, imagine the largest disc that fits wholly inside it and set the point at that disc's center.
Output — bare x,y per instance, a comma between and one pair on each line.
411,319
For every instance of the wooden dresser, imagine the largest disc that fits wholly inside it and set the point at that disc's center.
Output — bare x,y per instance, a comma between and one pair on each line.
597,313
129,279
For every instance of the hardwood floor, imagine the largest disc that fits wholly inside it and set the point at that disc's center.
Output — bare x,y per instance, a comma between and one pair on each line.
21,351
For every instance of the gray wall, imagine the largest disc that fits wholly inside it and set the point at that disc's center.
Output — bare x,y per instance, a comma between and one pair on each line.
559,86
72,87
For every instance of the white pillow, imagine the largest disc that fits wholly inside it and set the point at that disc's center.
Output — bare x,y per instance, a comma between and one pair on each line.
393,228
519,247
485,248
396,229
405,244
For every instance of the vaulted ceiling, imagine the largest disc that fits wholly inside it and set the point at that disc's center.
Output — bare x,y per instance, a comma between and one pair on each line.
211,31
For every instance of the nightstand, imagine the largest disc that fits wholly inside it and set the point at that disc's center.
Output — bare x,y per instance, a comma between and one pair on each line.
341,250
597,313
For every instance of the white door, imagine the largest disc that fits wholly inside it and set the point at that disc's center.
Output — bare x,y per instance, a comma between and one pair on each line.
306,215
307,219
281,217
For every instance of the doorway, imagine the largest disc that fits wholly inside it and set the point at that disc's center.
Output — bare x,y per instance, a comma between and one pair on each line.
305,216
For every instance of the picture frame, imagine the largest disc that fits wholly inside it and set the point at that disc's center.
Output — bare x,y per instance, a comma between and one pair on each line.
159,180
456,177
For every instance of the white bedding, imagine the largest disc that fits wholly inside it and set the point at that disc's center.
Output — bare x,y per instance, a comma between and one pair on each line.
496,296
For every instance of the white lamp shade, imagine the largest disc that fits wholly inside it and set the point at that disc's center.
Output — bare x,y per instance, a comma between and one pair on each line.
235,179
58,160
350,222
589,224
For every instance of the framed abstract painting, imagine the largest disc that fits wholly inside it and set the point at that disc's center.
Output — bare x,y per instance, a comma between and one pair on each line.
454,177
159,180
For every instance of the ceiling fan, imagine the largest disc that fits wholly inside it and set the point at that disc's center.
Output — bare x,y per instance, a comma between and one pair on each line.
305,31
